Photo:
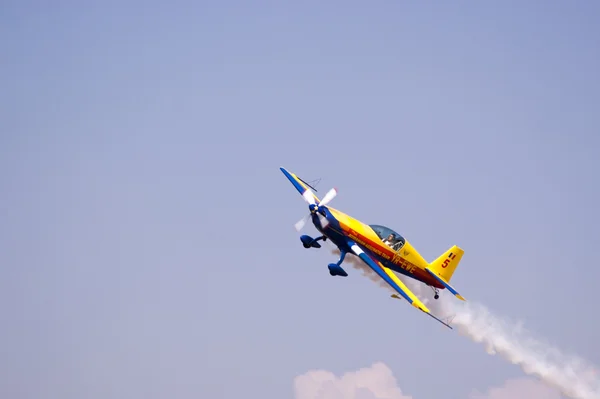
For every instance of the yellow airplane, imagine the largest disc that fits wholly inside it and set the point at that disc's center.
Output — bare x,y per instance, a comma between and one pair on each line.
380,247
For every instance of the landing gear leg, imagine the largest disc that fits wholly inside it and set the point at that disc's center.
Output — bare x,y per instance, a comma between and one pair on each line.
342,256
436,293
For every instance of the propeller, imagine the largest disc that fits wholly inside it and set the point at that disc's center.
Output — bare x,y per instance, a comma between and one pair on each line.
315,208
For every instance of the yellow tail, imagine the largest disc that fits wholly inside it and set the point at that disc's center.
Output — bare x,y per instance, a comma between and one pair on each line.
443,268
446,264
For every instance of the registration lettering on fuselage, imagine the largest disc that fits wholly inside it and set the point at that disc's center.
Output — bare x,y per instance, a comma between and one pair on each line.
403,263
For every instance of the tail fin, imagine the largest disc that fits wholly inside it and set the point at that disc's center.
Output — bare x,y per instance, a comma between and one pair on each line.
444,266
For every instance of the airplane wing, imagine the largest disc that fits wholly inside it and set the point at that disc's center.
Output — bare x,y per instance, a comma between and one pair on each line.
299,184
389,277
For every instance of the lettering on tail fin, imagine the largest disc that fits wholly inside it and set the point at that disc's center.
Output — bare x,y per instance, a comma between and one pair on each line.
445,265
450,257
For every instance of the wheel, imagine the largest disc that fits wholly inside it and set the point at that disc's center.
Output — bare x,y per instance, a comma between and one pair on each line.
436,296
331,272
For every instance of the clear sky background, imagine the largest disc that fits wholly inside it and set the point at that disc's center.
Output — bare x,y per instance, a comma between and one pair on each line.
147,247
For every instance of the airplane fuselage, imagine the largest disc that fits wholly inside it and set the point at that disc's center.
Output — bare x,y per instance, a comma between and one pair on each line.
406,260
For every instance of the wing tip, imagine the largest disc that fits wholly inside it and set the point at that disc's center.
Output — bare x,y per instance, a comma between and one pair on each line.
441,321
285,172
421,307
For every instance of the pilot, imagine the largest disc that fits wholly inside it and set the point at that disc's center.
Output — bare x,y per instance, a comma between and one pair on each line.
389,240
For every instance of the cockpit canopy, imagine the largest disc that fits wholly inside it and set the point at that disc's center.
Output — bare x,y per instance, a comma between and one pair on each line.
396,241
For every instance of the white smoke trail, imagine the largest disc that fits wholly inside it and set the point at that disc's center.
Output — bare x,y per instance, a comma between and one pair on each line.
572,376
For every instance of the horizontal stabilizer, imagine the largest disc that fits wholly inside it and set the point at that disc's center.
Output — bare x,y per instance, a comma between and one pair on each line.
445,284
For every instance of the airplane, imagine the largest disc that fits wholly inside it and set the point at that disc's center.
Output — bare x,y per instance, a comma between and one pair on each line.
381,248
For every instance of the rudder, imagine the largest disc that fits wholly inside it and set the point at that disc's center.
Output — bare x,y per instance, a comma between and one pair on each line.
445,265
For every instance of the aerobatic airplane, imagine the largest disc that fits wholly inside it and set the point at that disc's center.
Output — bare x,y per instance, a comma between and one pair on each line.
380,247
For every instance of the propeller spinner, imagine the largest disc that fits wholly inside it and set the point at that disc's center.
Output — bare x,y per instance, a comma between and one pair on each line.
315,208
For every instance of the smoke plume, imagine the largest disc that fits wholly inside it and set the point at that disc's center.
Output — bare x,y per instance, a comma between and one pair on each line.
571,375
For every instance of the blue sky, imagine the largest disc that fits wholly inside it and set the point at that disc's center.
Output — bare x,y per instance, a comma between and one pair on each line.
147,241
